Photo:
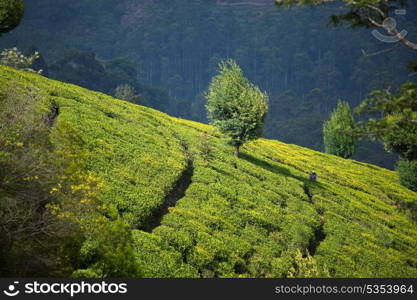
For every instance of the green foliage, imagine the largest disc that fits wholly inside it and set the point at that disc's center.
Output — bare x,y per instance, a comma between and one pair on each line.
306,267
126,92
158,259
122,70
407,171
338,132
85,274
205,148
15,59
50,214
108,251
81,68
11,12
235,106
359,13
238,218
86,70
185,63
392,119
34,240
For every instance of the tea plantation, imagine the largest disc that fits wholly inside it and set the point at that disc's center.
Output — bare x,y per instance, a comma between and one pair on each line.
196,211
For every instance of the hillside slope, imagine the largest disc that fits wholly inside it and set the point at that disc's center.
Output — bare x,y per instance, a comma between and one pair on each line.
194,215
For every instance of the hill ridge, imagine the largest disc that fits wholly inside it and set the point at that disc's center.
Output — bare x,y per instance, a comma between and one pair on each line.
244,217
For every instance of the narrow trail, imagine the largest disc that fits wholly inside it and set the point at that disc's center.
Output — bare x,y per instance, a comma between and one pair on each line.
53,114
319,234
170,200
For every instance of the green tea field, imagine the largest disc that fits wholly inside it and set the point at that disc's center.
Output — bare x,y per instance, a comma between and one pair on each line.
194,210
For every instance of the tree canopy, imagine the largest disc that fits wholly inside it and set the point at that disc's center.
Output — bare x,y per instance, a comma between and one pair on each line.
392,118
235,106
364,13
11,12
338,132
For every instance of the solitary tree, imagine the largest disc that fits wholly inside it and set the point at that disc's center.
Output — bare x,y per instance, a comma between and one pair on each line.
11,12
235,106
338,132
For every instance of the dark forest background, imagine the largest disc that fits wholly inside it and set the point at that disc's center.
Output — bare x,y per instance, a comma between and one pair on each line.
168,50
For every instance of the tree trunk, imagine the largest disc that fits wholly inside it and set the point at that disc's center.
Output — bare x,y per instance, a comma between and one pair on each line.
237,148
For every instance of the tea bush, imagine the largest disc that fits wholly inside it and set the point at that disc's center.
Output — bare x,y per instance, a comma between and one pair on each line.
246,217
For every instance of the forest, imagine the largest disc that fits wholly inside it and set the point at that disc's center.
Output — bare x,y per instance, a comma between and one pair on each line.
169,51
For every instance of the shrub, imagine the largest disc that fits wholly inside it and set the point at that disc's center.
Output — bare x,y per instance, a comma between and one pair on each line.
11,13
35,238
306,267
205,148
338,132
109,250
407,171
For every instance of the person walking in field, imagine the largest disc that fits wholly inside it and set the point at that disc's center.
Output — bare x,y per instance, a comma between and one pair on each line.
313,176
